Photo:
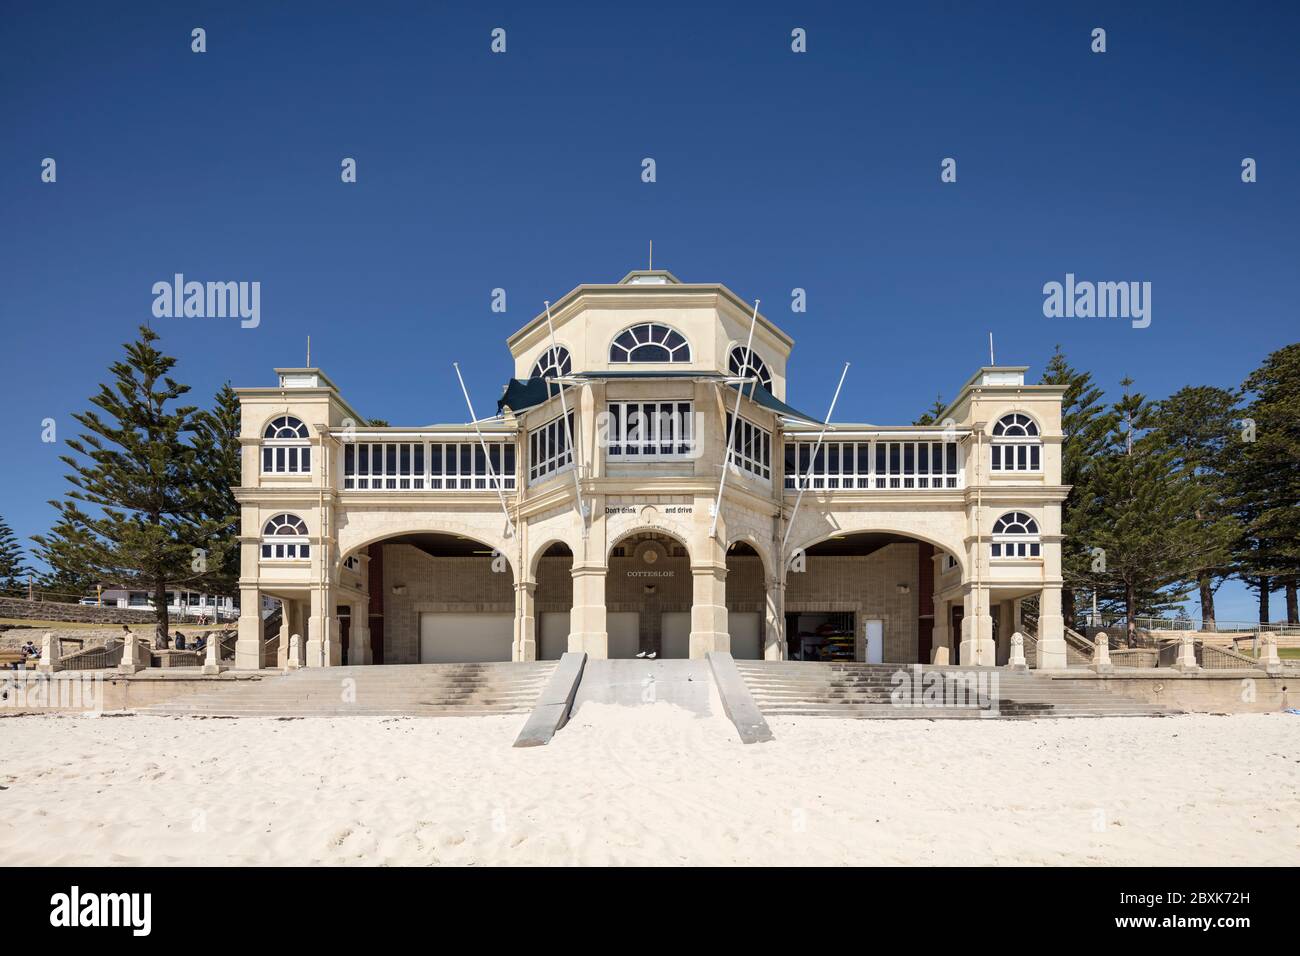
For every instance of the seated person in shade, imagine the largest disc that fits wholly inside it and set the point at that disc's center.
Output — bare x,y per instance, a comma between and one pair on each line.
180,641
31,650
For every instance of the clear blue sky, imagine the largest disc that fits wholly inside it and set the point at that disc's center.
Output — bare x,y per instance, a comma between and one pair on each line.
522,170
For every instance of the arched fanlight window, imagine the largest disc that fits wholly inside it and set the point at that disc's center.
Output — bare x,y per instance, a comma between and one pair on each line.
1015,425
284,537
553,363
1016,444
752,366
1015,535
286,447
649,342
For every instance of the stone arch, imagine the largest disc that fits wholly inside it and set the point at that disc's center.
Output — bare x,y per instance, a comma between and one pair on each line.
350,540
622,536
762,548
951,543
536,553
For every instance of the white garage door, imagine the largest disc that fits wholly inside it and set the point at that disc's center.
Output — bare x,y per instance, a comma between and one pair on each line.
459,638
675,634
746,629
624,628
554,639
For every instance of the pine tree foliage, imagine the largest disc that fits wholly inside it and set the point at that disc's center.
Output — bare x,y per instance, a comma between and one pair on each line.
135,504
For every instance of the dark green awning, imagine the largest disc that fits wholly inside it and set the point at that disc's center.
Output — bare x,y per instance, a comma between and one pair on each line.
523,393
762,396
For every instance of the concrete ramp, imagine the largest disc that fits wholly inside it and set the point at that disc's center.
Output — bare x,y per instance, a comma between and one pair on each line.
630,683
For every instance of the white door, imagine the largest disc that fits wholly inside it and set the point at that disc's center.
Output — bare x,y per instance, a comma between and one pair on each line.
875,638
624,629
675,634
746,628
459,638
553,640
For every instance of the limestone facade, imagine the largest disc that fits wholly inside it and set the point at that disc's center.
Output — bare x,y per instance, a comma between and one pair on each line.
325,494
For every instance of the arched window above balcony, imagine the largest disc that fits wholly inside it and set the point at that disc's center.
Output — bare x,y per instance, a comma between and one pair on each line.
284,538
649,342
1016,445
1015,535
286,447
748,364
555,362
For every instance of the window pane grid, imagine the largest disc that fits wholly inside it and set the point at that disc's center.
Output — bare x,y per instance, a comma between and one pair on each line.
751,448
421,466
854,466
548,449
644,431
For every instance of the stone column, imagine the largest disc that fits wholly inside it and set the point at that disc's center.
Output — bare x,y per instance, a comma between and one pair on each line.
322,630
941,637
587,627
524,647
709,608
212,656
774,645
134,658
1051,630
1006,627
287,627
51,651
977,647
359,633
248,645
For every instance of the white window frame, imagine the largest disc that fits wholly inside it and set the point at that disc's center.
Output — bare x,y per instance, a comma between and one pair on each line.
1021,451
751,366
678,355
847,474
753,453
286,455
631,437
554,362
549,453
283,546
1023,545
462,466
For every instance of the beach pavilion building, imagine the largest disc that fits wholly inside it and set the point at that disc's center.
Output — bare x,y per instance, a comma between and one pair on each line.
580,514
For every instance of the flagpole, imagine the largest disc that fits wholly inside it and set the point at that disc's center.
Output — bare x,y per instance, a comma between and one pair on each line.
568,433
487,458
735,422
803,484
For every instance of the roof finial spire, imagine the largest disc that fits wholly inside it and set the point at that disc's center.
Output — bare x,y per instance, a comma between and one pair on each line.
651,266
991,362
309,351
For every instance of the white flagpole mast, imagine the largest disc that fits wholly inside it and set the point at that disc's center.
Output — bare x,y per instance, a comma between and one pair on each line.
487,458
735,422
803,484
568,433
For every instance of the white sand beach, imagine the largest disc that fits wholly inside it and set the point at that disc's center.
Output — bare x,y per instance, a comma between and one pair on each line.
649,785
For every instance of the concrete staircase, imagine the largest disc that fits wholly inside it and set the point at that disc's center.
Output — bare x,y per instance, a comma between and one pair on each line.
412,690
797,688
